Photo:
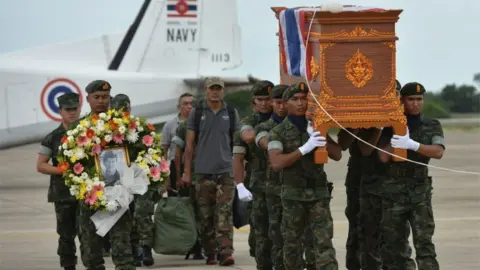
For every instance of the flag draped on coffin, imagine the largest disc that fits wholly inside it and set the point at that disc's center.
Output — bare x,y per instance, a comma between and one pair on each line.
293,38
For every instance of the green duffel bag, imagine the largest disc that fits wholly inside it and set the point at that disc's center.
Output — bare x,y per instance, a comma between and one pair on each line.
175,227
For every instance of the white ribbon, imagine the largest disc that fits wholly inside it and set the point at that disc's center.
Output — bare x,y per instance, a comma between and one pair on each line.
133,181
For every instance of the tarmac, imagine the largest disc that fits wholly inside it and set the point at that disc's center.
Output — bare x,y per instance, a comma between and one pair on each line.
27,225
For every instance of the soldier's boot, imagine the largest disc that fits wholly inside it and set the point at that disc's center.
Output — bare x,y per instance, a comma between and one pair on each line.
310,266
225,260
211,260
138,255
147,256
70,267
197,251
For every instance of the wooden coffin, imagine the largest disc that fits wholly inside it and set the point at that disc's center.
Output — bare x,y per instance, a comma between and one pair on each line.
352,60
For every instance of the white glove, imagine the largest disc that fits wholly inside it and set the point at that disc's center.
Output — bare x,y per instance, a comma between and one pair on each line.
243,194
313,142
404,142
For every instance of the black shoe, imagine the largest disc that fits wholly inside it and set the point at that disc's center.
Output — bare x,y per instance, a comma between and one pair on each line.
147,256
138,256
211,260
198,256
106,252
226,260
69,267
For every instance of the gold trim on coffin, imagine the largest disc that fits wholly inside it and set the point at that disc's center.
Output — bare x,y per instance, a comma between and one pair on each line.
356,32
314,68
359,69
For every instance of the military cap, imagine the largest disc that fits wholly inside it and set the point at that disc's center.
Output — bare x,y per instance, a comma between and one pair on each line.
295,89
69,101
98,85
109,155
412,88
398,86
120,101
277,91
211,81
262,88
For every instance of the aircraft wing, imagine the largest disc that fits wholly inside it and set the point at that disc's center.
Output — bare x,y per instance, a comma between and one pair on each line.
229,81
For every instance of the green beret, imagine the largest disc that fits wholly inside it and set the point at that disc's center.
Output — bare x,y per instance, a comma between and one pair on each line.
262,88
98,85
120,101
68,101
412,88
277,91
295,89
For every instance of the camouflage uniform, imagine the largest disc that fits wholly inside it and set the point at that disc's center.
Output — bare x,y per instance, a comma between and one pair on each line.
263,244
240,147
305,197
58,193
90,242
409,195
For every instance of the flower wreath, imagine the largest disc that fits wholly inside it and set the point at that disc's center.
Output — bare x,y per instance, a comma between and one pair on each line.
80,151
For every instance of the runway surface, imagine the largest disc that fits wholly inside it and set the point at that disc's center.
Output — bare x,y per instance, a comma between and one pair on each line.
27,224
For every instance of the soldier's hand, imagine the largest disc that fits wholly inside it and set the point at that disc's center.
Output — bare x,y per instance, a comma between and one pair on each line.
315,140
243,193
187,179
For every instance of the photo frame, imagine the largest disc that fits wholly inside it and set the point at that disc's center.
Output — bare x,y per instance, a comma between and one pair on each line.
107,164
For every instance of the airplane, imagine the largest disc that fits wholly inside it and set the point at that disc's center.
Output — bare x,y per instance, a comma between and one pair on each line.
170,47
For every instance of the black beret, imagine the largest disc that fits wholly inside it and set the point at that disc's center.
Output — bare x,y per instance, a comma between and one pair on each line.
120,101
412,88
98,85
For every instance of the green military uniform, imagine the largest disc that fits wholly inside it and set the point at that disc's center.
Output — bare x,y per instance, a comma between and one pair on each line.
305,195
408,194
263,244
240,147
90,242
179,140
58,193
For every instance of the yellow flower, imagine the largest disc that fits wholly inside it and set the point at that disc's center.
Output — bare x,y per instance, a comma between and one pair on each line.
106,126
83,123
155,157
110,112
99,193
81,193
73,158
126,120
143,164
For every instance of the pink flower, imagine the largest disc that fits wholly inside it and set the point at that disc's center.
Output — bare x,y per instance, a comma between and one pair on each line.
91,197
155,172
78,168
82,140
118,138
147,140
97,149
133,125
164,167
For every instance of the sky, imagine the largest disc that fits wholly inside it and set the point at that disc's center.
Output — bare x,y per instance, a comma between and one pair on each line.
438,40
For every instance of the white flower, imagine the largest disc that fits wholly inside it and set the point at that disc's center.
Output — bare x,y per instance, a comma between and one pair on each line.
151,151
108,138
75,131
102,115
140,128
77,180
71,175
96,179
122,129
112,206
69,133
74,190
139,159
97,140
80,153
70,138
66,153
64,146
132,136
87,123
152,133
88,188
84,176
88,182
100,125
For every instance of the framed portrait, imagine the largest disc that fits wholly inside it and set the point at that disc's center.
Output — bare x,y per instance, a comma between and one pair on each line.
110,164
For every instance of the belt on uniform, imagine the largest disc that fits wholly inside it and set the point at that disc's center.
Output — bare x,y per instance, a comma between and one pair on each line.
408,172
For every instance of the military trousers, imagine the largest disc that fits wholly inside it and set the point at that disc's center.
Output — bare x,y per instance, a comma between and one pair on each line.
263,243
413,204
352,185
296,217
251,234
66,215
214,196
144,210
91,243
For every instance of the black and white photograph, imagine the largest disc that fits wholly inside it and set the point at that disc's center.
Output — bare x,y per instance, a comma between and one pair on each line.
111,163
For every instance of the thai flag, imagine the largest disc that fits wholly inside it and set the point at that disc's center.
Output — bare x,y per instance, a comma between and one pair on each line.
293,39
181,8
